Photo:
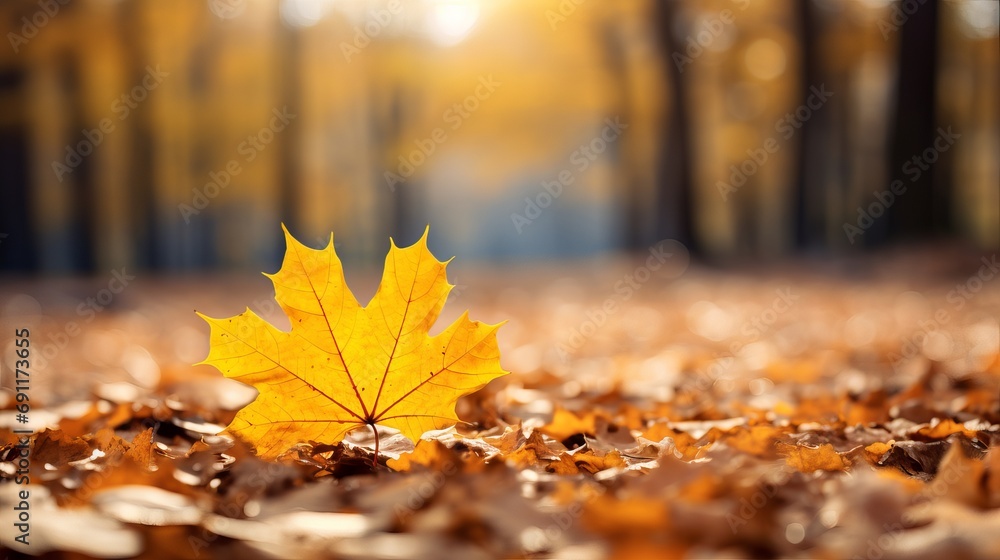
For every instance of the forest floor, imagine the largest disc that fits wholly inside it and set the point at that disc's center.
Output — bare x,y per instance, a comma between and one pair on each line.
814,409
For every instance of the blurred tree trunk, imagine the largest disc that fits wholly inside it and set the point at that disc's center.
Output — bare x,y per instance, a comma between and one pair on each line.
17,251
924,208
674,197
809,217
387,130
616,62
291,94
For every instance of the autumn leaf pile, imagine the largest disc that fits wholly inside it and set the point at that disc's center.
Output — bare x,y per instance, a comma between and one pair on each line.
699,420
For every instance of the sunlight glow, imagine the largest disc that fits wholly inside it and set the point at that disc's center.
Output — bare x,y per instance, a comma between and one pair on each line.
979,20
304,13
451,21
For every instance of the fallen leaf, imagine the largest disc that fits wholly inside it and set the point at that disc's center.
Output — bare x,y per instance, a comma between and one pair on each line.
566,423
756,440
141,449
343,366
916,458
586,461
56,448
683,442
944,428
875,452
532,450
432,454
811,459
511,439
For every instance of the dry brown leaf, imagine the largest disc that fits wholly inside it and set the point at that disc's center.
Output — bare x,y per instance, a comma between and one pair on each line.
585,461
812,459
945,428
532,450
760,441
57,449
141,449
875,452
566,423
430,454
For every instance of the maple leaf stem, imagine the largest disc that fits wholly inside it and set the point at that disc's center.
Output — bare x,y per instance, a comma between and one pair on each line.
375,456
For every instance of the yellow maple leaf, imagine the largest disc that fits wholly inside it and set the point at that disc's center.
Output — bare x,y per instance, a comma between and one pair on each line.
343,366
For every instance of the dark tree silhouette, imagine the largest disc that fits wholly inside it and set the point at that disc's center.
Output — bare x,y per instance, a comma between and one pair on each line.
924,209
674,186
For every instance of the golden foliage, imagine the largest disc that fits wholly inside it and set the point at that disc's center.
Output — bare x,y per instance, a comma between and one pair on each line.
343,366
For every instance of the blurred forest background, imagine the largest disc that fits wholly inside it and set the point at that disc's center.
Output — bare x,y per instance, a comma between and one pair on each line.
177,135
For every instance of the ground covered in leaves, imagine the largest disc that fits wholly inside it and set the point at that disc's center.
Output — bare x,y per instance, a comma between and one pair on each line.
814,410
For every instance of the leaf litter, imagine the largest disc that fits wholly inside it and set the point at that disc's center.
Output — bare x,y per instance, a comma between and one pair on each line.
651,440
